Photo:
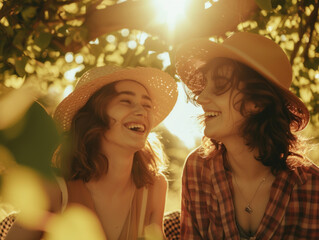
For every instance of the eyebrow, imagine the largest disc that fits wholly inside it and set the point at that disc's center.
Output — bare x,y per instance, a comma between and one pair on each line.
133,94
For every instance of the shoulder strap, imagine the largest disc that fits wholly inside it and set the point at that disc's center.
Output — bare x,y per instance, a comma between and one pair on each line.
143,211
64,192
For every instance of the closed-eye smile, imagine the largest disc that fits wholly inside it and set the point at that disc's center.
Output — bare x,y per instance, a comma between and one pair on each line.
136,127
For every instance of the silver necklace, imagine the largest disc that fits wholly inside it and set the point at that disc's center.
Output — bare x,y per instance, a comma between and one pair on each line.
248,207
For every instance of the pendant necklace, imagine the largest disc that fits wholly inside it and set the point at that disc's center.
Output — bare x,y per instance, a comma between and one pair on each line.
248,207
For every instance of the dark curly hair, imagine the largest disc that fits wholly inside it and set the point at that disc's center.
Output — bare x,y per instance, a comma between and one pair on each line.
270,128
79,157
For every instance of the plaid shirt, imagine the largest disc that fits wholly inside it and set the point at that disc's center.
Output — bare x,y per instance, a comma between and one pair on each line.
208,211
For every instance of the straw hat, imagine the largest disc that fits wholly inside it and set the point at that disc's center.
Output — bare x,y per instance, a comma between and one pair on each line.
160,85
257,52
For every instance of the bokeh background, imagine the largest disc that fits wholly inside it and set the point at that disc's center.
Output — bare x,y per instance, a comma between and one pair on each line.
50,43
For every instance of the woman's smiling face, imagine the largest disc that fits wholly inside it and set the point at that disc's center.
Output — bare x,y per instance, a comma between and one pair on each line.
217,99
131,115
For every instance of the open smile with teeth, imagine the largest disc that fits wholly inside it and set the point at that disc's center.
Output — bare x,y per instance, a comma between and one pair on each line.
136,127
211,114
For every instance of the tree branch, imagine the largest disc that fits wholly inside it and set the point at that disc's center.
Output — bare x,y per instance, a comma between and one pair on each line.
312,20
223,16
6,10
301,32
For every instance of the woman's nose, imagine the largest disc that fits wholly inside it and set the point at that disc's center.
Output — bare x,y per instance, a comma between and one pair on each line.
203,97
139,110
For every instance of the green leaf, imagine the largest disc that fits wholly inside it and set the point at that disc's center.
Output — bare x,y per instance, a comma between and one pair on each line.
155,45
20,65
29,13
9,31
18,39
312,63
33,140
43,40
264,4
282,3
304,74
2,44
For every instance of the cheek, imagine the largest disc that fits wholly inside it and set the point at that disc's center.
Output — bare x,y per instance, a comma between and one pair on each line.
151,118
112,121
232,119
237,121
115,113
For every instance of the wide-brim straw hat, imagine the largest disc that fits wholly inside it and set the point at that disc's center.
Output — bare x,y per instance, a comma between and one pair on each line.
161,87
256,51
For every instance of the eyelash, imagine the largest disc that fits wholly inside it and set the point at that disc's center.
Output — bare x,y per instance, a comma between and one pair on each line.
126,101
129,102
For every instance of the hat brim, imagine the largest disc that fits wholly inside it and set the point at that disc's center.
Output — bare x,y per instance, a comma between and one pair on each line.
194,54
161,87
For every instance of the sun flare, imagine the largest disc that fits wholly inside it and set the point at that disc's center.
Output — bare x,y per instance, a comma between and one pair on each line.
183,121
170,11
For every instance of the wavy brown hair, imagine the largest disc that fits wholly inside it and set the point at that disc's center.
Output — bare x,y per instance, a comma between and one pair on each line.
269,128
79,156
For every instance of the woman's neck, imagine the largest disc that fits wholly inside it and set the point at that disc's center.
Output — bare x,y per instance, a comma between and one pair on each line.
119,174
242,160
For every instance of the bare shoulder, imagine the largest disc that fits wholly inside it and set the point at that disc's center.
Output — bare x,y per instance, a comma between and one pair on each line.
157,199
158,190
160,183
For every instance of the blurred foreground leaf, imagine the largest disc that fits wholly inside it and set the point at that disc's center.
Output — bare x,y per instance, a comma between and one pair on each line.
76,223
153,232
33,140
22,187
6,159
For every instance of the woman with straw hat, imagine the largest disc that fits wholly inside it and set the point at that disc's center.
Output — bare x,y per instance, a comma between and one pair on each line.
249,179
108,163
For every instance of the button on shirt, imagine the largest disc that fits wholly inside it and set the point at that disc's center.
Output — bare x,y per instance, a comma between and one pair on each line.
208,210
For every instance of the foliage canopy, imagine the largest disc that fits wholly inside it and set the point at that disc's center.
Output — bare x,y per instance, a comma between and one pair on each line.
42,40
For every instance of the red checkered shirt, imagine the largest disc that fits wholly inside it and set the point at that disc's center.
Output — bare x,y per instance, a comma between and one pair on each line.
208,210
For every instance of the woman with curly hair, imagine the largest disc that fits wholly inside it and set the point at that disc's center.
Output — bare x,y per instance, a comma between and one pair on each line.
249,179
